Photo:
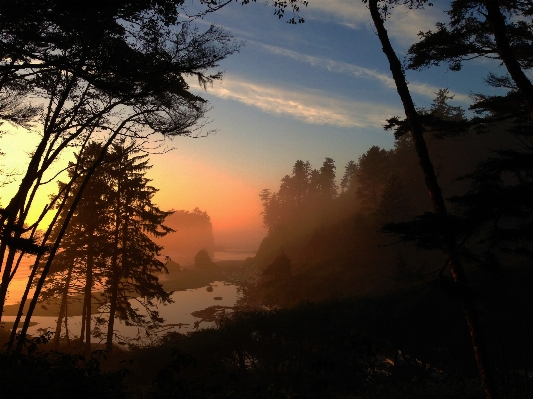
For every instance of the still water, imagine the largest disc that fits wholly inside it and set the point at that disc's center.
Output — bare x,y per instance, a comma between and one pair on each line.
18,284
178,312
233,255
185,302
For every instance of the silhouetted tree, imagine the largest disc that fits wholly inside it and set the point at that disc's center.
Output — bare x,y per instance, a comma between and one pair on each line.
14,107
107,243
480,29
101,70
314,193
300,182
293,198
394,205
270,211
80,259
441,107
435,193
326,181
349,179
498,205
133,262
293,191
373,173
286,198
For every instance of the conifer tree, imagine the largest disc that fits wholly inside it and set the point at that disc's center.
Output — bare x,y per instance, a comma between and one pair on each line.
394,205
349,179
101,70
441,215
373,173
81,262
327,185
108,244
479,28
134,259
271,209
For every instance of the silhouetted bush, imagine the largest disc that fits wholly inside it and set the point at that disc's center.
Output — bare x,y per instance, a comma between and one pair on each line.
405,345
55,375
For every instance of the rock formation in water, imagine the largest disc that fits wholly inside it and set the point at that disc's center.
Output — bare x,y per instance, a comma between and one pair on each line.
194,232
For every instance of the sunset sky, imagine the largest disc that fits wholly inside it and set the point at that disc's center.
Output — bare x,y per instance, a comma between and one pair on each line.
311,91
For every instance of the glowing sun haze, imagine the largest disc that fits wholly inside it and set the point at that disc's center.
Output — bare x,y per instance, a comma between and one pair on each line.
230,200
316,90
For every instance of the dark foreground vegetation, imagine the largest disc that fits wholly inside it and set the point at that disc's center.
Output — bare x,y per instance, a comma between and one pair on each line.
410,343
337,311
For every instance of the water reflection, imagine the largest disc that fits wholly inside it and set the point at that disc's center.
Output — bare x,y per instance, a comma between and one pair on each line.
177,315
18,284
232,255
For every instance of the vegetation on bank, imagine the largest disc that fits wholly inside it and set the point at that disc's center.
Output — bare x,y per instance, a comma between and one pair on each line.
407,344
402,336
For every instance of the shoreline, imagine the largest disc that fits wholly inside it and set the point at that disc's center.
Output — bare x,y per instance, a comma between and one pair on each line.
176,280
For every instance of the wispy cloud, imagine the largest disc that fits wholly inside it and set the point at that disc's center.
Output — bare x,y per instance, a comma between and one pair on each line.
308,106
361,72
403,24
353,14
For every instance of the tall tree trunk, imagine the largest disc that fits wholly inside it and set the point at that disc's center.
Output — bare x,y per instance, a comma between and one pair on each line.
59,322
82,330
112,311
88,298
43,243
67,337
34,172
12,224
62,308
480,352
115,275
63,229
6,278
119,273
9,217
497,23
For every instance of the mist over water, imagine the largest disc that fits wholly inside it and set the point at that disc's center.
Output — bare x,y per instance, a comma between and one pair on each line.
233,255
20,280
184,303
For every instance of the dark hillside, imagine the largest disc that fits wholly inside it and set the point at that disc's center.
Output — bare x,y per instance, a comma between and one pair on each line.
335,243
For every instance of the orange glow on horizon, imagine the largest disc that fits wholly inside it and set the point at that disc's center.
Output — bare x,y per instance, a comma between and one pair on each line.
232,203
184,183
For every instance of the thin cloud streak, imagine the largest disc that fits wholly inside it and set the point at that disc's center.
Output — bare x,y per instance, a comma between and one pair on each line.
360,72
403,24
346,12
312,107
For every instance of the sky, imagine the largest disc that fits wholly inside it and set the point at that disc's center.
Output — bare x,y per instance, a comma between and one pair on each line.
308,91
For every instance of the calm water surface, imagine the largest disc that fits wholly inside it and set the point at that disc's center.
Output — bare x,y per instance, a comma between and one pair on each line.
233,255
177,312
18,284
185,302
